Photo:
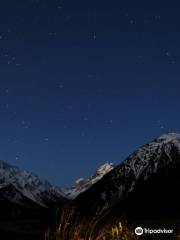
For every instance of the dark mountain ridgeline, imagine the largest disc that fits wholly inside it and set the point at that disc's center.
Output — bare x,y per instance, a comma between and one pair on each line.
142,189
144,186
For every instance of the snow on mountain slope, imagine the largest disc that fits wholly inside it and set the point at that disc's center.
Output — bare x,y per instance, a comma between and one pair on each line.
144,162
82,185
29,185
147,159
138,167
42,192
121,179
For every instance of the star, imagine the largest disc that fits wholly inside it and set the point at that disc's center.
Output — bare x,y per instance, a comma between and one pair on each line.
52,34
6,90
6,105
172,62
109,123
85,118
83,134
157,17
132,22
18,64
94,36
91,76
69,107
61,86
18,155
59,7
25,124
46,139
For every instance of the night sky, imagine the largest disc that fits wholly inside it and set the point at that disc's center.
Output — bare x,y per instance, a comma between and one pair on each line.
85,82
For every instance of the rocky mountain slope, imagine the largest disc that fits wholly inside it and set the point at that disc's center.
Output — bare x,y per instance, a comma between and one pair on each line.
142,174
144,186
81,185
23,184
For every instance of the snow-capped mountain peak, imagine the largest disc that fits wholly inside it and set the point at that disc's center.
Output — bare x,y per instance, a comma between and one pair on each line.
105,168
82,184
160,155
143,186
173,138
28,184
149,155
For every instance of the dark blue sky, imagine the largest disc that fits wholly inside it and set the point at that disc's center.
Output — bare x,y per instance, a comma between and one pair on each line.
85,82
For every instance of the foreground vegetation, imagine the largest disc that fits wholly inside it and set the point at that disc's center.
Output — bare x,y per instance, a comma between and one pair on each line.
72,227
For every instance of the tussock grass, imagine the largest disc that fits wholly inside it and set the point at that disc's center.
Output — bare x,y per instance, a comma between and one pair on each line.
74,227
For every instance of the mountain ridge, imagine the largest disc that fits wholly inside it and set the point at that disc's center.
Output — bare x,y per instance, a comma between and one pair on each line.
35,189
30,185
143,164
81,184
144,185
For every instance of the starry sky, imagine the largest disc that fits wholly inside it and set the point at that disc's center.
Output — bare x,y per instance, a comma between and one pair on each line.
85,82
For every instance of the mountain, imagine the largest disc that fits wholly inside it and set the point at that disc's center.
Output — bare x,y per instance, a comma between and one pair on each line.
27,185
27,204
42,192
145,185
81,184
144,188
